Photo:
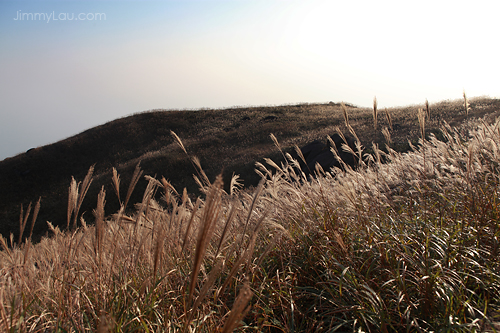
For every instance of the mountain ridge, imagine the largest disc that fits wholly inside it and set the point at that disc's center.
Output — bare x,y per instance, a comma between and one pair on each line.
225,140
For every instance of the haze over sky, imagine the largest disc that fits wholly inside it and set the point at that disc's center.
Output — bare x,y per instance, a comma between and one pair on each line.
83,63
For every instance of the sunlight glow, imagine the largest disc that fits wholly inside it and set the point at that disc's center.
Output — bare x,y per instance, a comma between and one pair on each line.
195,54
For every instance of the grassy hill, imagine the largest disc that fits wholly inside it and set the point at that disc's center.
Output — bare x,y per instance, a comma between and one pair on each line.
228,140
408,242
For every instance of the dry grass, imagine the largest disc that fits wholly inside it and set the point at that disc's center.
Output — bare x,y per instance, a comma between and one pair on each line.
232,139
410,245
466,104
408,242
130,272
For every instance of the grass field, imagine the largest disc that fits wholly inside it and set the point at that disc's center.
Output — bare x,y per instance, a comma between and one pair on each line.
409,241
227,141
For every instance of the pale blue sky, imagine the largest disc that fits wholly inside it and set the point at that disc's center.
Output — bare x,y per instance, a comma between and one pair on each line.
61,77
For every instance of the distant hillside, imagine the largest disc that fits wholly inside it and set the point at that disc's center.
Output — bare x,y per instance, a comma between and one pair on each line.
229,140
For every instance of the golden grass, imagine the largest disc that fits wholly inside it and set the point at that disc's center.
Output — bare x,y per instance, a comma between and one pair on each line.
346,116
76,194
387,135
116,184
407,242
389,118
421,114
232,138
23,219
74,275
466,104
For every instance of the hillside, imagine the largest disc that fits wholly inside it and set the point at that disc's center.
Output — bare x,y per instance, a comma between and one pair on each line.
231,140
405,242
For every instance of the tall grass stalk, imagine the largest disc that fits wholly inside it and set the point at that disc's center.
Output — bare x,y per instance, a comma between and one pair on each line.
387,135
210,217
466,104
133,182
421,122
346,115
389,118
116,184
23,218
76,194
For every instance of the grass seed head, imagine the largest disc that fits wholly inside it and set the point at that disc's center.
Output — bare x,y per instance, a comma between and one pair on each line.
116,184
387,135
466,104
346,116
389,118
421,121
179,142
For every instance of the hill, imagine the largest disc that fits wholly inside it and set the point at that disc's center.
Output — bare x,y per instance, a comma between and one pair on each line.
229,140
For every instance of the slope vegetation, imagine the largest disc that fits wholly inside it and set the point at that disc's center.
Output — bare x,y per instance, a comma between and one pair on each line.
228,141
407,242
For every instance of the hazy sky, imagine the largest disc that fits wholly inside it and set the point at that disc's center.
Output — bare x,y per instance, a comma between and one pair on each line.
66,66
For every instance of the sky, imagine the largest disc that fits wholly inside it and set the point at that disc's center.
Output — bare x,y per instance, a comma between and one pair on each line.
67,66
